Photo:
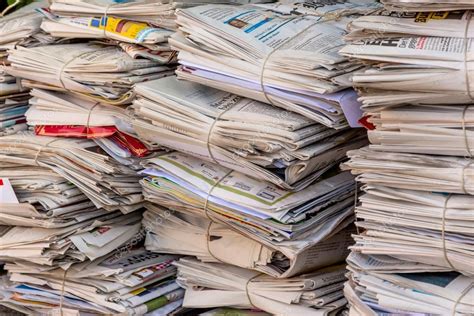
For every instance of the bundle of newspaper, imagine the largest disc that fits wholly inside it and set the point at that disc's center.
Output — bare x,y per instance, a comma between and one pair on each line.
103,74
383,285
427,173
251,137
214,212
126,281
65,115
38,197
390,218
219,285
435,129
427,5
62,246
325,9
405,221
155,13
287,61
104,27
21,28
385,24
106,182
419,58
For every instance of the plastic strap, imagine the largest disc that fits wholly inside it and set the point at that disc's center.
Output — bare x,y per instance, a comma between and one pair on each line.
206,212
43,147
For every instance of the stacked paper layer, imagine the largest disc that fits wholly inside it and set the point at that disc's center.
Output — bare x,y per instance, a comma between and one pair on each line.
21,28
427,5
277,231
154,13
291,62
113,169
252,137
415,218
232,286
71,204
415,58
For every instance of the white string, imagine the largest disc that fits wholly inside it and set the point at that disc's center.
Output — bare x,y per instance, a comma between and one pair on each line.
443,233
41,149
466,47
61,71
267,58
206,212
104,17
89,117
209,133
463,125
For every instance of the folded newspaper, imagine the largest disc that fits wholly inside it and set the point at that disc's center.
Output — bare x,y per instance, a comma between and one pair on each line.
103,74
428,5
420,58
57,108
21,28
157,13
388,24
290,227
63,246
82,162
38,197
430,129
103,27
412,171
390,220
174,232
218,285
384,285
251,137
130,282
65,115
323,8
288,61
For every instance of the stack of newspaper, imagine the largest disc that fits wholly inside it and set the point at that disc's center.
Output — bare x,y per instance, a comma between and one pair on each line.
415,58
124,281
100,73
218,284
112,169
251,137
291,62
65,253
413,252
21,28
212,212
278,232
105,181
